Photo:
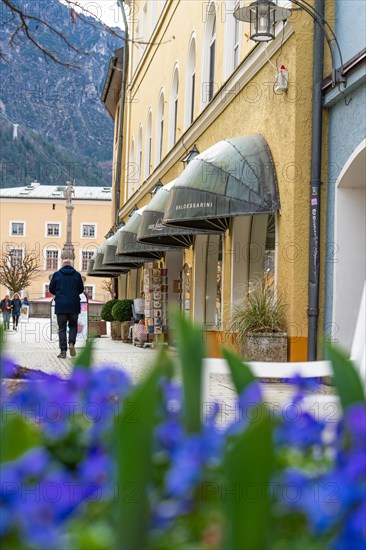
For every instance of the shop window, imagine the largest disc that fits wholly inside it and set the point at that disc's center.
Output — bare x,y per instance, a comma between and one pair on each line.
262,252
214,275
185,290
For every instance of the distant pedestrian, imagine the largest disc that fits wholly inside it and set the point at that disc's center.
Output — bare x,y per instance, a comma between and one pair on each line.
5,307
16,305
67,285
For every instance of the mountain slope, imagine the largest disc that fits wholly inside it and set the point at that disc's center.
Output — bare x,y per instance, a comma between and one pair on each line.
62,105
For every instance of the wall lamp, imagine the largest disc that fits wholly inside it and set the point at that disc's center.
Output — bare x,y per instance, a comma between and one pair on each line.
262,16
109,234
158,185
134,209
190,156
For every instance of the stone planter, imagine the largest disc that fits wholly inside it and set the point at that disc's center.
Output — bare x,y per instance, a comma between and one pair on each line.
265,347
125,331
97,328
115,330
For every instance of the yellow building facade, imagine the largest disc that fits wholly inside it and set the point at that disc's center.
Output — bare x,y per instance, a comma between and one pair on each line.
34,218
195,79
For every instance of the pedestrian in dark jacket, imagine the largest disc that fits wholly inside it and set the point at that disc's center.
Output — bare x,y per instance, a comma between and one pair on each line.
67,285
5,307
16,305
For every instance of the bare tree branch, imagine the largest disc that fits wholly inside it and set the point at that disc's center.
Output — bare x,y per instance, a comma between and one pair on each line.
21,21
17,274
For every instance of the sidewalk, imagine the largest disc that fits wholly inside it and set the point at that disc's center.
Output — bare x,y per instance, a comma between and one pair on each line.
32,347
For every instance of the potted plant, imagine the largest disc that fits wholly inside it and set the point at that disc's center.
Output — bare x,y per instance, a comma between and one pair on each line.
259,324
106,315
122,313
97,327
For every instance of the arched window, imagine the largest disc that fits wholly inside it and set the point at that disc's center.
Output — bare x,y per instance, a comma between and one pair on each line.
131,170
173,118
139,156
233,34
190,84
160,129
209,57
148,145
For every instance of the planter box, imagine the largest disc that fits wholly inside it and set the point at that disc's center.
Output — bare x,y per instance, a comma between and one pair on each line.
115,330
97,328
125,331
265,347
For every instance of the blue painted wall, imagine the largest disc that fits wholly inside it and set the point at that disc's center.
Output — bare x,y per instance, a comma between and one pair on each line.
349,26
347,124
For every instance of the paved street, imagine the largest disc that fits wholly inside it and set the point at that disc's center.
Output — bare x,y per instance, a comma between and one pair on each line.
33,347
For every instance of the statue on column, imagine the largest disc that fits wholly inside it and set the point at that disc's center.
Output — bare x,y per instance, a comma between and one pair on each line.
68,192
68,252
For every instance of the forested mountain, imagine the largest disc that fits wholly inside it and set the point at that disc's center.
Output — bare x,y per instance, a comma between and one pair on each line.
64,131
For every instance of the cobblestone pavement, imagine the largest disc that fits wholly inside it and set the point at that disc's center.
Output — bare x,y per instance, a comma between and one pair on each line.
32,346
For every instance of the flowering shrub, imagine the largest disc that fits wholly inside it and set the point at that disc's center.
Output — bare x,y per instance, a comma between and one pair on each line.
95,462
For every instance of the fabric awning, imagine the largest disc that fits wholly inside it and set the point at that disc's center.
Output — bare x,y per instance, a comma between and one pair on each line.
129,246
92,272
112,259
151,229
234,177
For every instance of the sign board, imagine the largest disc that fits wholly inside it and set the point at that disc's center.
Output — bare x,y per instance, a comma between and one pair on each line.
24,313
82,332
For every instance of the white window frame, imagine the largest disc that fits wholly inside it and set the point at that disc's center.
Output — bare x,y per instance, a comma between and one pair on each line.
12,247
44,285
148,146
81,258
81,230
139,156
11,234
209,39
131,170
230,45
174,105
190,73
53,236
52,249
159,146
92,297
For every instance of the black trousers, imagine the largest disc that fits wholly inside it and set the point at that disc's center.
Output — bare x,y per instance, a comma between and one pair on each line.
62,320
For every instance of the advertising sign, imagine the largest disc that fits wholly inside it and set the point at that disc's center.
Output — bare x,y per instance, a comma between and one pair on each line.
24,313
82,332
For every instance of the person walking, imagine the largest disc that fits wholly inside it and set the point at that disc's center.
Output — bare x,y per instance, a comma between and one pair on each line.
16,305
5,307
67,285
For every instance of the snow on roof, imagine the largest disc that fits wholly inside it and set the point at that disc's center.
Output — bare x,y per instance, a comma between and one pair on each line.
37,191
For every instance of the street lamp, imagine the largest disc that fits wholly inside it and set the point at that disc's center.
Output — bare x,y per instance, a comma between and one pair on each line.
262,16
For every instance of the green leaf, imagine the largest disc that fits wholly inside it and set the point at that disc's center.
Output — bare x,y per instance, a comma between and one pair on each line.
85,357
190,353
345,378
240,372
134,446
247,467
17,435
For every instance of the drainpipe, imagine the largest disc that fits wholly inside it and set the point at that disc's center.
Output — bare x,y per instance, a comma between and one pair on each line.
121,115
315,187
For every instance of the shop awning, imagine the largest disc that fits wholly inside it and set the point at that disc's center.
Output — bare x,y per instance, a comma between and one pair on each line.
235,177
129,246
151,229
112,259
92,272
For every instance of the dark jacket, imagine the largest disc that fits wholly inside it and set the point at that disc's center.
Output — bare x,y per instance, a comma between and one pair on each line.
66,284
5,305
16,306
